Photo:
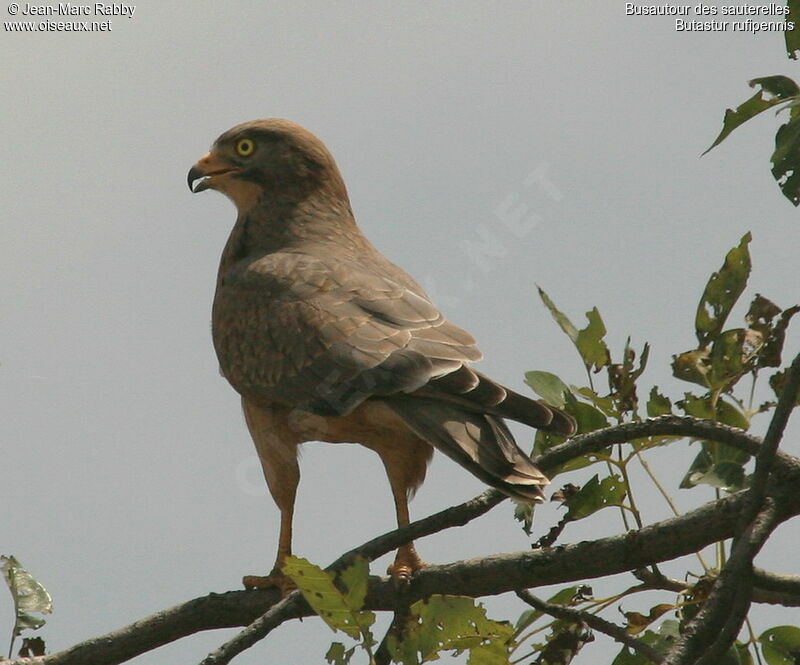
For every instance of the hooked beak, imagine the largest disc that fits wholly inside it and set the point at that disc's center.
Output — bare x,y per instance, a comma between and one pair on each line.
208,167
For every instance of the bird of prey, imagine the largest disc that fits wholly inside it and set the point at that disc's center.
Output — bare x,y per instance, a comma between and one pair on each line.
326,340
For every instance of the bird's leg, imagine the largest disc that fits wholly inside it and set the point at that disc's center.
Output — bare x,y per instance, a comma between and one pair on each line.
277,449
405,458
407,561
277,578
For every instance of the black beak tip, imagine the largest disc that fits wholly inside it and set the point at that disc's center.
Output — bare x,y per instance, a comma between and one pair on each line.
194,174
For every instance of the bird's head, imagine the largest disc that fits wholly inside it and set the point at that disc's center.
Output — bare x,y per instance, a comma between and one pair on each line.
267,160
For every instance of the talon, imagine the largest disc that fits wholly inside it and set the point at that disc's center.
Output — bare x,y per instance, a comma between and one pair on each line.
405,565
401,575
272,581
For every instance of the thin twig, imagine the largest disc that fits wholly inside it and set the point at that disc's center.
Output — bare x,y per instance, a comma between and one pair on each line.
593,621
286,609
649,471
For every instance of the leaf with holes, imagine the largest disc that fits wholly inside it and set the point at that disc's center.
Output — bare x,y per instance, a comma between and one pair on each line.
449,623
28,593
786,159
780,645
340,610
721,293
589,341
733,354
337,655
774,90
595,495
692,366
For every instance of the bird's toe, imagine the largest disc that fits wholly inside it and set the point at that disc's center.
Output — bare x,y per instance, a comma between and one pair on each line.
274,580
405,566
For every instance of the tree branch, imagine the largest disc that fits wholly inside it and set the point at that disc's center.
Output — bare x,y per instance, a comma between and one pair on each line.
768,588
776,589
486,576
715,627
684,426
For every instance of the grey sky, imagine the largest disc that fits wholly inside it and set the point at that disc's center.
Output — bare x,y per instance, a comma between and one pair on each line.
129,481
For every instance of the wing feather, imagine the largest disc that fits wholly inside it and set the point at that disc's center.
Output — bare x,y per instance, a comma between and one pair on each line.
294,329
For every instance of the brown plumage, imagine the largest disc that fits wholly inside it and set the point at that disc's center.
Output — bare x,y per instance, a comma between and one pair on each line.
325,339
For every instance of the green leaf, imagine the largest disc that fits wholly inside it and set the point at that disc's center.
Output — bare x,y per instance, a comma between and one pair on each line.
561,319
355,578
588,417
449,623
595,495
546,440
637,621
776,87
721,293
340,610
728,414
733,354
27,621
780,645
786,159
493,653
703,407
743,653
717,465
792,37
605,404
657,404
28,593
660,640
698,407
774,90
590,342
692,366
731,657
337,655
548,386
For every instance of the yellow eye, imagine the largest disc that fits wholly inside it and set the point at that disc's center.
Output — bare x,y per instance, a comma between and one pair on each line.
245,147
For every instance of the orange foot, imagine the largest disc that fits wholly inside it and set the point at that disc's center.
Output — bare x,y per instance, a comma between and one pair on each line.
406,563
275,580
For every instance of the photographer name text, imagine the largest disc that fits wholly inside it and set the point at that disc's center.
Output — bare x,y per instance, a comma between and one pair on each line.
70,9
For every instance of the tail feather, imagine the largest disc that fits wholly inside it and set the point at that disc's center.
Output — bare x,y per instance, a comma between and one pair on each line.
474,391
480,442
